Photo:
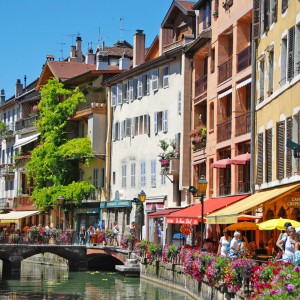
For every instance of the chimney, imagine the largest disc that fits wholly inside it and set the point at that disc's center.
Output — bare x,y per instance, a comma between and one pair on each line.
2,96
49,57
138,48
78,49
124,63
90,57
102,63
19,88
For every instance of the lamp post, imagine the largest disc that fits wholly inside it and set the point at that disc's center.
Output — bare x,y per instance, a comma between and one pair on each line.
200,192
202,184
60,201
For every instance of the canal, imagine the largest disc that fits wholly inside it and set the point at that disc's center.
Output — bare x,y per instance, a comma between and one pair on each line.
56,282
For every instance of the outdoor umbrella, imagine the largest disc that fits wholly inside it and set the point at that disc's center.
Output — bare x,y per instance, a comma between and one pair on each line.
276,223
242,226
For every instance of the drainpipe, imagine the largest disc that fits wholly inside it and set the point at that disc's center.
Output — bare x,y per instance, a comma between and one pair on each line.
253,85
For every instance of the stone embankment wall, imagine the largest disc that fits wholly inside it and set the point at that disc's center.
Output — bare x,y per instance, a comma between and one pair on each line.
174,276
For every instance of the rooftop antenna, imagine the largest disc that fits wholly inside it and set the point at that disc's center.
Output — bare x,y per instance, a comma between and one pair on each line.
61,50
101,38
122,28
72,35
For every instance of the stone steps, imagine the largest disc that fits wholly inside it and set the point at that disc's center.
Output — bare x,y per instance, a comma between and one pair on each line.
130,268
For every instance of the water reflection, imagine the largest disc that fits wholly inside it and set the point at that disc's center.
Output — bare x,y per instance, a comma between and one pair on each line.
55,282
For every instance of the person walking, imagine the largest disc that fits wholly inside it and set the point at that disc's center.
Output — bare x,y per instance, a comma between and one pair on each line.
115,234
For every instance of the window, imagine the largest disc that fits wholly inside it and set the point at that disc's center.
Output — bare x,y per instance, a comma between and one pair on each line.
147,80
165,121
132,173
154,79
125,92
147,124
166,77
261,80
179,103
12,155
266,15
153,173
128,127
81,130
290,71
284,5
130,90
212,60
102,177
280,149
11,185
274,9
271,72
113,96
123,175
260,158
143,173
206,15
81,175
140,87
119,93
161,121
268,156
95,178
283,68
116,132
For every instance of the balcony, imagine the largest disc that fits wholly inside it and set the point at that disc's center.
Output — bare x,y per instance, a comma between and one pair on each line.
6,169
200,86
243,124
23,201
244,59
225,71
224,131
21,160
26,123
170,166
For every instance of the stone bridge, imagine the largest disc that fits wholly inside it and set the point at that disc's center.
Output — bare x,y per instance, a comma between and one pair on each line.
80,257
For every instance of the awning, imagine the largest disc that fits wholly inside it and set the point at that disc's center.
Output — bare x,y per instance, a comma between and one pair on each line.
222,95
241,159
14,216
199,161
243,83
221,164
192,214
25,141
164,212
230,214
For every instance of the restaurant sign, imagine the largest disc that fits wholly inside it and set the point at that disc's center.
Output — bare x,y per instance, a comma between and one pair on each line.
293,200
174,220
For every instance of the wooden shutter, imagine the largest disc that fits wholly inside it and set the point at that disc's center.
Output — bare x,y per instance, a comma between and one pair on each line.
274,11
179,102
148,124
260,158
291,53
256,19
280,150
285,4
165,121
155,123
289,130
177,140
269,155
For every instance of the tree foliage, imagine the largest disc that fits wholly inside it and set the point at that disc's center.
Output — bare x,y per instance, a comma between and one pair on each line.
54,163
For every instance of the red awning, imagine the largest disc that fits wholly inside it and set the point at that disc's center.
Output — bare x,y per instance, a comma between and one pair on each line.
222,163
162,213
241,159
192,214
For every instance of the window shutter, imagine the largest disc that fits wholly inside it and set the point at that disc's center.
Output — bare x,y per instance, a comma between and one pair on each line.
123,175
135,83
119,94
177,140
140,87
148,83
269,155
260,153
155,123
165,121
280,149
284,7
113,96
274,11
125,92
155,79
166,77
114,132
130,90
153,173
179,103
121,130
267,15
289,131
132,127
128,127
256,20
143,173
148,124
132,174
291,53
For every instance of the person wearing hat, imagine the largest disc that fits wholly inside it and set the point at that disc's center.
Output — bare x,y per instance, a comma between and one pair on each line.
224,244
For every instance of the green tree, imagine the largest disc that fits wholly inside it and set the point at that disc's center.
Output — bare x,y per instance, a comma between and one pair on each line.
54,163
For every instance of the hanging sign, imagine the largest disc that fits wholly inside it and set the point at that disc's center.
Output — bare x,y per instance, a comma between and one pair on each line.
186,229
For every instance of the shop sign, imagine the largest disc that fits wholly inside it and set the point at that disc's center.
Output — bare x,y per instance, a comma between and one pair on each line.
294,200
190,221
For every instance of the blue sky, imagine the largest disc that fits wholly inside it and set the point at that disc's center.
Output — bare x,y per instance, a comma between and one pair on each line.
31,29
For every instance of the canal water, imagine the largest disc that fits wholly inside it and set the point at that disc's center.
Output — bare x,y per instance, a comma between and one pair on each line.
39,282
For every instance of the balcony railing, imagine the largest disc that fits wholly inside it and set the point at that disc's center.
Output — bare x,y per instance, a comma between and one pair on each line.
244,59
243,124
224,131
21,160
6,169
25,123
225,71
91,104
23,201
200,85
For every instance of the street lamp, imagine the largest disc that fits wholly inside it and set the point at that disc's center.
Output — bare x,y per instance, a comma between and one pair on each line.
60,201
199,192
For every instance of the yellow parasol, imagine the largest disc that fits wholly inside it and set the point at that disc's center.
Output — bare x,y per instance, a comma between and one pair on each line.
242,226
276,223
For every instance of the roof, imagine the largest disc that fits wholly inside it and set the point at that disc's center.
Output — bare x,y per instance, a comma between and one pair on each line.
184,7
199,4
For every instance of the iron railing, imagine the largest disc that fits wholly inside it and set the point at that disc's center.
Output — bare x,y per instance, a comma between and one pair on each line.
224,131
244,59
243,124
25,123
225,71
200,85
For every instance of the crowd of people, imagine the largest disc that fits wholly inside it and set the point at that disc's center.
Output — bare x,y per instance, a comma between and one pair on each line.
287,247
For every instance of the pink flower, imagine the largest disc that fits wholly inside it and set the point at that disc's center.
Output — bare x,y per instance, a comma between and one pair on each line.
290,287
